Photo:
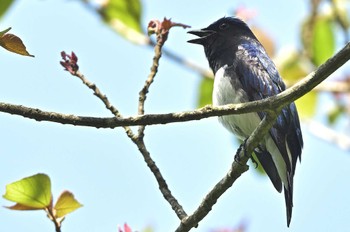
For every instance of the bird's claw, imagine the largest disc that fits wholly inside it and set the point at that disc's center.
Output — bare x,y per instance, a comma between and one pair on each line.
237,156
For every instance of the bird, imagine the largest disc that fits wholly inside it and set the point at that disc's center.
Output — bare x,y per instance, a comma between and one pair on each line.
244,72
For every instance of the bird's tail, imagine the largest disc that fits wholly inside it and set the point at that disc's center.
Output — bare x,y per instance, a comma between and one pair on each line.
288,196
269,166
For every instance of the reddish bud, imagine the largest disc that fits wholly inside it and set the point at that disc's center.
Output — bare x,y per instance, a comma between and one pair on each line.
69,62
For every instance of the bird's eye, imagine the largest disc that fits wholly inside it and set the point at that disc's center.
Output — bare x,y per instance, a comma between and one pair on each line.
223,26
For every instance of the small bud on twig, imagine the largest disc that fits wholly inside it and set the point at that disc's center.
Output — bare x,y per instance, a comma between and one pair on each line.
70,62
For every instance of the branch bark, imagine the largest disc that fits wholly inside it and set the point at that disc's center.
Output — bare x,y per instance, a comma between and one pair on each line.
236,170
291,94
271,105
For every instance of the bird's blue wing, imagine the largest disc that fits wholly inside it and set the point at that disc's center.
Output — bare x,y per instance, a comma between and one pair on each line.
258,74
260,79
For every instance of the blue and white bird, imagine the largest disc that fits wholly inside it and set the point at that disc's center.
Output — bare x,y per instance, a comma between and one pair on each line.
244,72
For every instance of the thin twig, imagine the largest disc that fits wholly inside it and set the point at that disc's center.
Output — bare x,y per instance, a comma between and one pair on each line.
70,64
148,82
98,94
56,221
104,99
163,187
141,146
146,41
291,94
161,29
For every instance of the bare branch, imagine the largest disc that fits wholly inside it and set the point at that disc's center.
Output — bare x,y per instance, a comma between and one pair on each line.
70,64
284,98
98,93
74,71
236,170
154,69
161,29
315,78
163,187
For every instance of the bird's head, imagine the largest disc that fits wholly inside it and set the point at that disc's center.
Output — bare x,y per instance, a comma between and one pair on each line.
222,36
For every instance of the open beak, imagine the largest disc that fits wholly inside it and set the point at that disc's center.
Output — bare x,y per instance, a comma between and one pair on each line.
203,35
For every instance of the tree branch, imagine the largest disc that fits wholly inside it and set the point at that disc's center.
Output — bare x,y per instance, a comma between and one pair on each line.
161,29
236,170
154,69
291,94
70,64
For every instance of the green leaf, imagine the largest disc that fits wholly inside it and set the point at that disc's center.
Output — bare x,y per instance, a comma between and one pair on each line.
4,6
124,16
306,105
32,192
19,206
292,69
335,113
205,91
66,204
148,229
323,42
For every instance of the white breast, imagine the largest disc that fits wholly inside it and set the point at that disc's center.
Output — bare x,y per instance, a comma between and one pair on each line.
228,90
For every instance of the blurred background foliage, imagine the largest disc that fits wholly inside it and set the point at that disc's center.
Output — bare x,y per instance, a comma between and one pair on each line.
327,23
321,33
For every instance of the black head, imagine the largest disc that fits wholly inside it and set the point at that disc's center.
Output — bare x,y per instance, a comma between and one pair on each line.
225,28
222,36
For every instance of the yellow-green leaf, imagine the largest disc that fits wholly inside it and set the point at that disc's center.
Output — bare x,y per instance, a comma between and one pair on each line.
205,91
65,204
4,6
335,113
148,229
323,43
32,192
14,44
22,207
292,69
306,105
124,16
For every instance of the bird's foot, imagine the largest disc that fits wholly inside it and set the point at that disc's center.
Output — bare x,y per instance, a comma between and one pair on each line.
237,156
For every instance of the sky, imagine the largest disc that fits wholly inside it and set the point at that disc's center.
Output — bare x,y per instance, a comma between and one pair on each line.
104,169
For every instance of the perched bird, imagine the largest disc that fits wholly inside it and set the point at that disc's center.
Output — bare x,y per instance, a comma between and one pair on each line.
244,72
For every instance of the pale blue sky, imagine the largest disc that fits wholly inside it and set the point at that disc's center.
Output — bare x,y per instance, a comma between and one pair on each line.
104,169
